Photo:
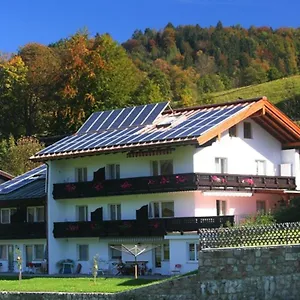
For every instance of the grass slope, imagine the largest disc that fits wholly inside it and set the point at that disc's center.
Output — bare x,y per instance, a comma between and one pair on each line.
276,91
72,285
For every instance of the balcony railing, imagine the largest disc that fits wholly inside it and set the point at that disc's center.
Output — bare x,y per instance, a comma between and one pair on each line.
151,227
170,183
23,231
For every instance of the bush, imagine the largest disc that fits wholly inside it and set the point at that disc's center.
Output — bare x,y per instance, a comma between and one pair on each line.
259,219
289,213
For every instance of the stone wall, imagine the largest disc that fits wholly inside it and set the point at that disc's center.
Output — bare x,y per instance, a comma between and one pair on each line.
267,273
250,273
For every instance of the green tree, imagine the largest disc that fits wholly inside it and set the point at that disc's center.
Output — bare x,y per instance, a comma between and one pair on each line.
15,154
13,95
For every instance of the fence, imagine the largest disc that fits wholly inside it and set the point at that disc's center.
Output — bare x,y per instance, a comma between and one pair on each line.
247,236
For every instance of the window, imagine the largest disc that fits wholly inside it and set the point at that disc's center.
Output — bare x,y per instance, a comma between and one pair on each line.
115,211
82,213
260,167
35,214
39,252
221,164
233,131
83,252
162,167
161,253
113,171
115,253
3,252
193,250
6,214
247,130
81,174
161,209
221,207
34,252
260,206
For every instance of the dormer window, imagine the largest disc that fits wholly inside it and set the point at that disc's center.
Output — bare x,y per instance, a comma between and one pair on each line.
81,174
247,130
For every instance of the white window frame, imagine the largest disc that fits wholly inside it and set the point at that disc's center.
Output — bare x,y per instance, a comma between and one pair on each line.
195,251
222,207
34,252
81,174
159,254
221,165
113,171
80,247
257,167
5,252
157,206
11,211
35,215
117,214
156,167
85,219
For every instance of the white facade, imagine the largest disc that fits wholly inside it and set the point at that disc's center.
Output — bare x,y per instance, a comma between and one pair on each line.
260,155
10,249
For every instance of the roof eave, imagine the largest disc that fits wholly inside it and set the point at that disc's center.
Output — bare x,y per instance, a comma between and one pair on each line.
124,148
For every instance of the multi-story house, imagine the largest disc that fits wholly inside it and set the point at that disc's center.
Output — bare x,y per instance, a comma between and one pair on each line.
150,177
22,221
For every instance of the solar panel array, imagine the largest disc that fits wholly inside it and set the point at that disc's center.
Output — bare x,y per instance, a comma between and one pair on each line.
22,180
123,118
195,125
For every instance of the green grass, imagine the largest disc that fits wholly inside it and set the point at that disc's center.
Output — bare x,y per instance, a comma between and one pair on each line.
276,91
77,285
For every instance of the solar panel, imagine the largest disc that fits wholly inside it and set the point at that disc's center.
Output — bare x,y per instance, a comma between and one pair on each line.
113,119
136,131
18,182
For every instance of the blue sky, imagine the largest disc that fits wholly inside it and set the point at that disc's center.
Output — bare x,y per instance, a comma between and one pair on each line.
46,21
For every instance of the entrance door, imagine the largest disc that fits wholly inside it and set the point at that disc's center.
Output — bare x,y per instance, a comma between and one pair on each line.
10,258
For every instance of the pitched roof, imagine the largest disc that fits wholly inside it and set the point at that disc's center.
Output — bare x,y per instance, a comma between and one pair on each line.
33,190
28,185
196,125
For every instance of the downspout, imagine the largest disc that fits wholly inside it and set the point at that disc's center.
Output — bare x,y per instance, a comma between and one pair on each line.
47,238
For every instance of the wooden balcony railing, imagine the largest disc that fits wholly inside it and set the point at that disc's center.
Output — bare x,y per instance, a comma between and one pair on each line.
167,183
151,227
23,231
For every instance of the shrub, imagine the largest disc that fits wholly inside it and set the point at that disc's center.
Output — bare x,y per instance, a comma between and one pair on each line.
259,219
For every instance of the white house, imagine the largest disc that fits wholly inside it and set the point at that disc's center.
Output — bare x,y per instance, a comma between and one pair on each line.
22,221
150,177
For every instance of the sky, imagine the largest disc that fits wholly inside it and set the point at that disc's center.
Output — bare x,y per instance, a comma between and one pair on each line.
47,21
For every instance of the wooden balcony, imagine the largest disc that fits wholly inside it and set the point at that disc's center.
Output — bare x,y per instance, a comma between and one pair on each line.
128,228
23,231
170,183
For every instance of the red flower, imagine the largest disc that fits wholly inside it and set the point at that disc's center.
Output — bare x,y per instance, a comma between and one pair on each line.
164,180
70,187
180,179
151,181
98,186
126,185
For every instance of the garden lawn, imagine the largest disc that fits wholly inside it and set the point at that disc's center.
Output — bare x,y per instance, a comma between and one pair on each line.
76,285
